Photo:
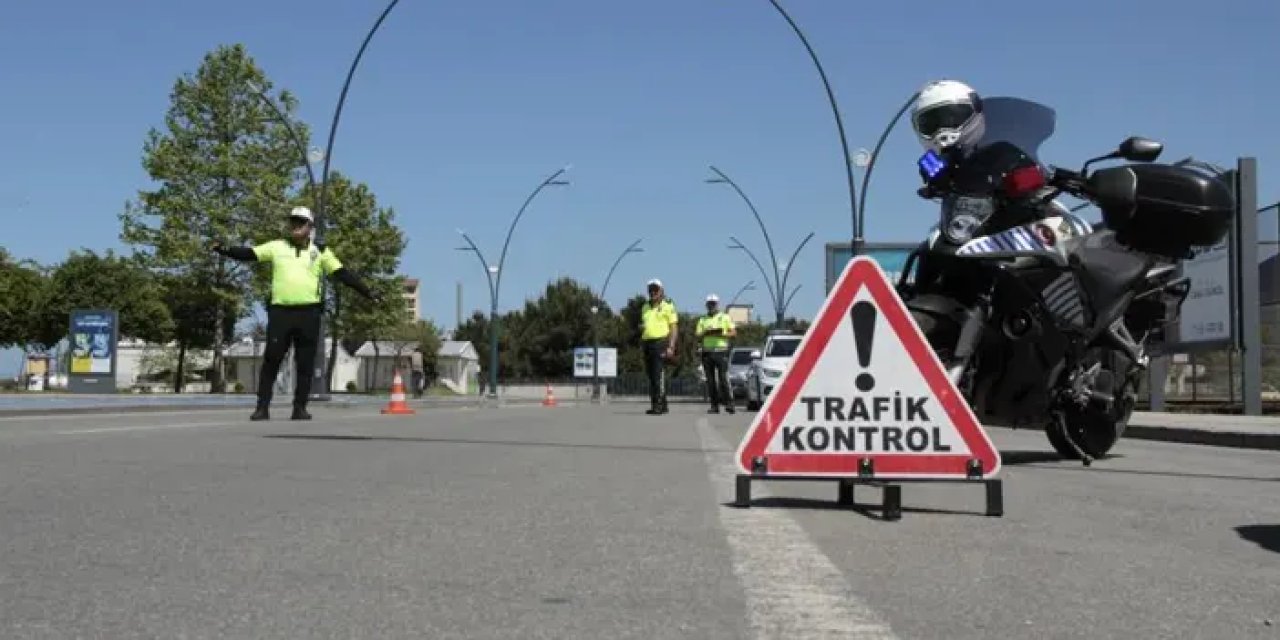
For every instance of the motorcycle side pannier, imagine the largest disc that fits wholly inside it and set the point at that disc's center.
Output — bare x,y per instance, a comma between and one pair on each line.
1174,209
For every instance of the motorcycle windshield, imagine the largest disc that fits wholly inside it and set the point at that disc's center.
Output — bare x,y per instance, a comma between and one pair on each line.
968,202
1017,121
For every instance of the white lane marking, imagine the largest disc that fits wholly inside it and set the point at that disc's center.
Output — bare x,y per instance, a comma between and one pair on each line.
793,590
107,413
147,427
224,423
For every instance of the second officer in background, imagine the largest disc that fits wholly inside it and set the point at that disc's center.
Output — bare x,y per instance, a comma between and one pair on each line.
715,329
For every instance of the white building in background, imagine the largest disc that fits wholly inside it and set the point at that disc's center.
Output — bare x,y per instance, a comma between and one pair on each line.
457,364
149,368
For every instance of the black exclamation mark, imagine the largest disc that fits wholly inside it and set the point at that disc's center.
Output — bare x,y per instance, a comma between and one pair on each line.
863,315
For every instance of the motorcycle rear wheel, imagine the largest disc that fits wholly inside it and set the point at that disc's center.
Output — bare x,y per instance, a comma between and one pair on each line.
1096,430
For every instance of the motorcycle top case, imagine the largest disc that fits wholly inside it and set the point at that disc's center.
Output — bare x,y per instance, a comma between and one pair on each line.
1174,209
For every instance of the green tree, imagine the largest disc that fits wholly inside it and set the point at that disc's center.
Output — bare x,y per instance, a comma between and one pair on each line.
751,334
225,165
367,240
88,280
476,331
553,324
193,309
426,335
22,291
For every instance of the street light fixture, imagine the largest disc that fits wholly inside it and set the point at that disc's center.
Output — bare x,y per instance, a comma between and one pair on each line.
595,320
320,381
494,274
778,286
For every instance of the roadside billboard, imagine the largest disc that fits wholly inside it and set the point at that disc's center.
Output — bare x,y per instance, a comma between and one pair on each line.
93,337
891,256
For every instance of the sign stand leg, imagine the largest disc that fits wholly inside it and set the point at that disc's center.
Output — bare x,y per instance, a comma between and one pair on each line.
891,490
995,497
844,493
742,492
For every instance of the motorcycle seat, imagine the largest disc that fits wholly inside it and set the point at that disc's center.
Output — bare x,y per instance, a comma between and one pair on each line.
1108,271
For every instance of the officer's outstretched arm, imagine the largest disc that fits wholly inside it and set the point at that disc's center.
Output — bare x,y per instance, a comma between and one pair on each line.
334,267
345,276
243,254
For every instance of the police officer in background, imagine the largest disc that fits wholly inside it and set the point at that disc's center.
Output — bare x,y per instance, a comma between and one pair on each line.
715,329
659,319
293,317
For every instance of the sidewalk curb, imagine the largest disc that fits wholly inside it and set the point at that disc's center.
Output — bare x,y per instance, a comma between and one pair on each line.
1187,435
1263,441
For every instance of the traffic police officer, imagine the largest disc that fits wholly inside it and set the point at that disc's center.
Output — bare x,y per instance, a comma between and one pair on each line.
293,317
715,329
658,334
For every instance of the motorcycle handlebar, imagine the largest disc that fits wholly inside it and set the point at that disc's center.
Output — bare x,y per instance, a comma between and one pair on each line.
1071,182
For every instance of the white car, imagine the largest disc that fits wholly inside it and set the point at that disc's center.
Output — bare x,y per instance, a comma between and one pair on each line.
765,373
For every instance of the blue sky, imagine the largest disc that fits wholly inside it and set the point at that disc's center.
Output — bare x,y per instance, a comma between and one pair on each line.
459,109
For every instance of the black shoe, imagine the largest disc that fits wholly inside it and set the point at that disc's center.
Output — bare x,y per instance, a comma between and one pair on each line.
730,410
260,413
300,413
715,410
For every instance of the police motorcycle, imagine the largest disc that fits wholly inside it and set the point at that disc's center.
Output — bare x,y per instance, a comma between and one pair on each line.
1041,318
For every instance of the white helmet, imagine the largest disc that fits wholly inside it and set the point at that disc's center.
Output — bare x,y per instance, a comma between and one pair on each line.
948,113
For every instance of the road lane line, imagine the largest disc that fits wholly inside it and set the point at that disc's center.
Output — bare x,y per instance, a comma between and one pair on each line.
793,590
108,413
146,427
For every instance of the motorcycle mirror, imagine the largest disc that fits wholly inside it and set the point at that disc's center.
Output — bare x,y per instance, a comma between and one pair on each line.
1139,149
1133,149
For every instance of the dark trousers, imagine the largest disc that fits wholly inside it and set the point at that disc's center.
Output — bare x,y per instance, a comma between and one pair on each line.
655,368
716,365
298,327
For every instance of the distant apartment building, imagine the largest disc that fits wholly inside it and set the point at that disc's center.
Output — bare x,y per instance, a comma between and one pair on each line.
739,313
410,294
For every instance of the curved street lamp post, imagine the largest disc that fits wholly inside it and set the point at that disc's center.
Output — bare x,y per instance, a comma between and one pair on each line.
749,286
320,381
595,317
835,111
778,286
857,205
494,274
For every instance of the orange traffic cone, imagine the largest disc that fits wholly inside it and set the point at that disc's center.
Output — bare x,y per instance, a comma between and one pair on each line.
549,400
397,404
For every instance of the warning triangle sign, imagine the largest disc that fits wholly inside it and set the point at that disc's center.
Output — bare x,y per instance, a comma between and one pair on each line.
864,385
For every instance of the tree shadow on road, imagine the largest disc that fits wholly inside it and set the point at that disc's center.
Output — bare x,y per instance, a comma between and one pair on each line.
1042,460
1266,536
339,437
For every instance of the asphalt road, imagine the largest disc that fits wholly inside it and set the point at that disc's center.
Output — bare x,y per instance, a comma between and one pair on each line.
600,522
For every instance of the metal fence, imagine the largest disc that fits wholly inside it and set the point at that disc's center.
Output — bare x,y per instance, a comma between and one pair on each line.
1212,379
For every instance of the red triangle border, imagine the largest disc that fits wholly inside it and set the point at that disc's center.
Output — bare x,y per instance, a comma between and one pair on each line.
865,272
